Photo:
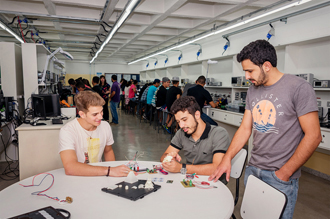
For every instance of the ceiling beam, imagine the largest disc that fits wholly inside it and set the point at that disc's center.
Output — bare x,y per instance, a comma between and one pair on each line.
51,8
159,18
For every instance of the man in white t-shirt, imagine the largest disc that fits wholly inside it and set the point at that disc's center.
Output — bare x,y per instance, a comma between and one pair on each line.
85,139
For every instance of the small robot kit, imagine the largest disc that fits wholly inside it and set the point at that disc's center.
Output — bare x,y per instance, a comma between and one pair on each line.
133,191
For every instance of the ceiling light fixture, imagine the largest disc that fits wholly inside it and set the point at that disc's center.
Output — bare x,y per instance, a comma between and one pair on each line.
3,26
299,2
126,12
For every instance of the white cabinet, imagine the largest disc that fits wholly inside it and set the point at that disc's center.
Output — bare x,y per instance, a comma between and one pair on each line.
325,143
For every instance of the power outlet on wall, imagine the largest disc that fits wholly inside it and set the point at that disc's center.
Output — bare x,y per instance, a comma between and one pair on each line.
328,103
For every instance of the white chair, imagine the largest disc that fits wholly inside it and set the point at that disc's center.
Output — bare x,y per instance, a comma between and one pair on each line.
261,200
237,165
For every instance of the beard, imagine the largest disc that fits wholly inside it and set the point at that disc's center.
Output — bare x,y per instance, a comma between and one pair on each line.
262,79
194,128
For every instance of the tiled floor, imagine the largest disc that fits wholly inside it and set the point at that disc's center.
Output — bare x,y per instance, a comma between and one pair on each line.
131,136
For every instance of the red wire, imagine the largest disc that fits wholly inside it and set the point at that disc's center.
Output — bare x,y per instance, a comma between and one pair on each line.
32,36
21,29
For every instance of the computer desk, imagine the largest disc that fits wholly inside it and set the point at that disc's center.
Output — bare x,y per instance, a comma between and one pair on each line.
38,146
170,201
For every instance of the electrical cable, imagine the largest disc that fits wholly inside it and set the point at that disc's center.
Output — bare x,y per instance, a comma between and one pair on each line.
19,22
104,28
13,20
107,24
39,193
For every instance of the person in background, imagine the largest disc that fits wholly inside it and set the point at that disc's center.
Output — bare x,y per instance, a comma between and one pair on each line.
202,95
114,99
106,90
82,87
204,145
72,83
123,83
150,95
84,140
128,85
282,111
161,93
132,90
96,86
86,82
173,94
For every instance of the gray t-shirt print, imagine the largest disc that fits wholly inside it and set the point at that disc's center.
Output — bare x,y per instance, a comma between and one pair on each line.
276,129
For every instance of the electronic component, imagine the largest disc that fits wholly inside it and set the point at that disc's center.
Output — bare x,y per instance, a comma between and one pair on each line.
320,113
9,108
307,77
240,82
209,81
322,84
184,81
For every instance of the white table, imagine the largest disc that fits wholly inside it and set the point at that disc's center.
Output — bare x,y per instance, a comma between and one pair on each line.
170,201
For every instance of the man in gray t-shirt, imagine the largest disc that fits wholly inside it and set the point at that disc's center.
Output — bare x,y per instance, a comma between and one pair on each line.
203,144
281,110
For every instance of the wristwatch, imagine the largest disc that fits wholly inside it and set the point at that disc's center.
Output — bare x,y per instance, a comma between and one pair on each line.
183,169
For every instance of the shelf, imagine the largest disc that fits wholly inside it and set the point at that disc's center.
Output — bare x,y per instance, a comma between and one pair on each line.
322,89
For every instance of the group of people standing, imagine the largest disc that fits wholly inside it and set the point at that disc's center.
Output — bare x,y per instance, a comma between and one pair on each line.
108,93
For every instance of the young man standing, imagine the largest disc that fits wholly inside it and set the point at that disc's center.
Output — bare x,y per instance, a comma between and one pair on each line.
202,95
282,111
96,87
84,140
161,93
204,145
114,99
173,94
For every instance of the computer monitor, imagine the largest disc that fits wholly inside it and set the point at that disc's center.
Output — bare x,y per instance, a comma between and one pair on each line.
46,105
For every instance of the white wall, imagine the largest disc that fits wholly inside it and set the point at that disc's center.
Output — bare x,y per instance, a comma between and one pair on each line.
309,26
72,67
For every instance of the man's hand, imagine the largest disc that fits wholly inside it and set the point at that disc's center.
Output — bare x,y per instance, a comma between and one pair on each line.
224,167
173,166
119,171
282,175
175,156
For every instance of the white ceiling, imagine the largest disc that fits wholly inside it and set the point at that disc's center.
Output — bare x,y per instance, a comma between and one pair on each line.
153,25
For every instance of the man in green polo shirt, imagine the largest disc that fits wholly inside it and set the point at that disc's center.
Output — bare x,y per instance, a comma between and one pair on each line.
204,145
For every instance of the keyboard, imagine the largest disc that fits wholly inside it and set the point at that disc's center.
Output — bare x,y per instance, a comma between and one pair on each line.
57,121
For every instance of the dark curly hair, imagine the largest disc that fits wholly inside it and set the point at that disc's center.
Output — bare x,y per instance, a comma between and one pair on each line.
185,103
258,52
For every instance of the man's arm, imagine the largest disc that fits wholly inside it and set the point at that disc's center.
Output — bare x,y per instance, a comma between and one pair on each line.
311,127
213,104
75,168
112,94
201,169
240,138
109,155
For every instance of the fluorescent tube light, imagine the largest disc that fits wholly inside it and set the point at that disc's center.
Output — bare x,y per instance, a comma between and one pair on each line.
3,26
117,25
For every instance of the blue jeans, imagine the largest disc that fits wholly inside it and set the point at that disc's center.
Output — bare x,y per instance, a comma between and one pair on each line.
113,108
290,188
207,119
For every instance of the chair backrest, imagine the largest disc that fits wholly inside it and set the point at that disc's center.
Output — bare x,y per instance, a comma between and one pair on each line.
261,200
237,164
